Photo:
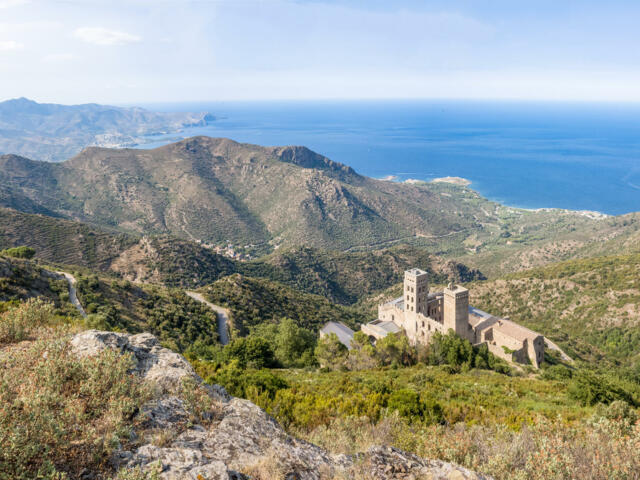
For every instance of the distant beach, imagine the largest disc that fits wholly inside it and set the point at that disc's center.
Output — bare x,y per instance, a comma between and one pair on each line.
454,180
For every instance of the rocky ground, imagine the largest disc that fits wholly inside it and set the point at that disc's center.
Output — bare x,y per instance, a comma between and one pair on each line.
234,439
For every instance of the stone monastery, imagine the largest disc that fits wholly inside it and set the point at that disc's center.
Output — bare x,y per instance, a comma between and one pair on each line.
419,314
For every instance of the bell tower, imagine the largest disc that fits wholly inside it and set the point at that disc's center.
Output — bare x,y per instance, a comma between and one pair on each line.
416,289
456,310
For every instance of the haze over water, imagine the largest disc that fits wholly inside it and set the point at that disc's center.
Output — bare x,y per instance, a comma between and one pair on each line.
531,155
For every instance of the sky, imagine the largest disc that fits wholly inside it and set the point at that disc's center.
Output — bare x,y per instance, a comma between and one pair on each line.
144,51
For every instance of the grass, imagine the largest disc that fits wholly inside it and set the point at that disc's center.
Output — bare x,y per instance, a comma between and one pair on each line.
513,428
48,393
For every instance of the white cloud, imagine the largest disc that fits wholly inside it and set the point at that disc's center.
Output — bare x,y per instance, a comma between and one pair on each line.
12,3
9,45
105,37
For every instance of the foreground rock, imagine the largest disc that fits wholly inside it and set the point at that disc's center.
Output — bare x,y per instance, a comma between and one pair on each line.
240,441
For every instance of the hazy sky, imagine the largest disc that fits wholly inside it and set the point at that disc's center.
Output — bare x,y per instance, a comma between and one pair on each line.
137,51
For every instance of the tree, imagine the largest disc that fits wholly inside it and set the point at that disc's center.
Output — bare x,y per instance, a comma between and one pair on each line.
19,252
294,345
395,348
362,355
250,352
330,352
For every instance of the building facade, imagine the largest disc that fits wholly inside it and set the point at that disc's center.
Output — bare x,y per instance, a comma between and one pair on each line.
420,314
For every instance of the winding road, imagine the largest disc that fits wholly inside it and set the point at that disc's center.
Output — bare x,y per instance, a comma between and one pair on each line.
73,297
222,315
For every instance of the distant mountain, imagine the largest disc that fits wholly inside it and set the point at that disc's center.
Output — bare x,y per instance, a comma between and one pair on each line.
55,132
217,191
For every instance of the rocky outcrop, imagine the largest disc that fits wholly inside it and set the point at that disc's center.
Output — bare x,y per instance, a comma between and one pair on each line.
241,441
154,363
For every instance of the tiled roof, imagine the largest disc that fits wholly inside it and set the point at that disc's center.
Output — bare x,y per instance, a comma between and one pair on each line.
384,327
482,320
513,330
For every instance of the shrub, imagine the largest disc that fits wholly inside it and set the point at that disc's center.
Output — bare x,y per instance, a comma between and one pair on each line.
330,352
19,252
406,402
589,389
250,352
19,321
557,372
239,382
200,405
60,413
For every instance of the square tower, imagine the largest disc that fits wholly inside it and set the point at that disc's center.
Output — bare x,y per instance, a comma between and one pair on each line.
416,290
456,310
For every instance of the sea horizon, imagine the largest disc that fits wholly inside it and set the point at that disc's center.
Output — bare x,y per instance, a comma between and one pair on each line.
567,155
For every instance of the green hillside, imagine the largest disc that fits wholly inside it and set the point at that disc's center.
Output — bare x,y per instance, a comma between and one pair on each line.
346,277
253,301
589,306
177,319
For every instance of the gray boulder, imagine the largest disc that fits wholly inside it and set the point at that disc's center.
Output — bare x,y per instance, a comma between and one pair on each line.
243,438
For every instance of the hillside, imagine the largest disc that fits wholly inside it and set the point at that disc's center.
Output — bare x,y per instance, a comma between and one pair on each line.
55,132
22,279
216,190
162,259
63,241
588,306
172,262
346,277
177,319
253,301
524,239
262,198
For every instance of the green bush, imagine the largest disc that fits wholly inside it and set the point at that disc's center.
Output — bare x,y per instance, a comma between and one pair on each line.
557,372
19,252
330,352
590,388
244,383
61,413
250,352
452,350
19,321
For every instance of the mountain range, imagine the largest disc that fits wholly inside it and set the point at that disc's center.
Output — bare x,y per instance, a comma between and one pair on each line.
218,191
55,132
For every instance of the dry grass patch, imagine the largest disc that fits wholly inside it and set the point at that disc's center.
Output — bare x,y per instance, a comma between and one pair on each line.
60,414
19,322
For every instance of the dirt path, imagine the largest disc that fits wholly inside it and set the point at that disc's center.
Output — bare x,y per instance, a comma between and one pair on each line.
221,313
73,297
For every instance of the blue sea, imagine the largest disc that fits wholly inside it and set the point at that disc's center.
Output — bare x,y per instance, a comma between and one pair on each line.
531,155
